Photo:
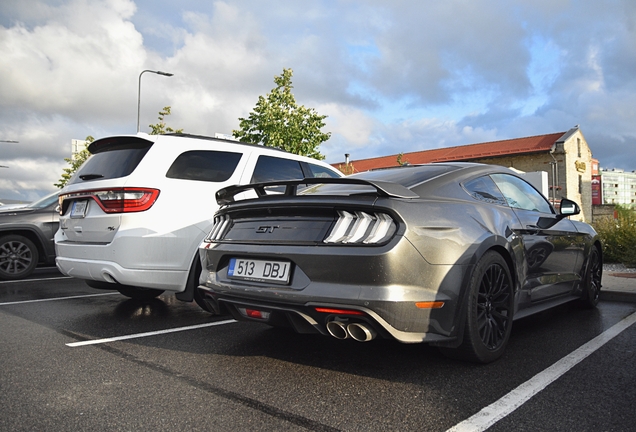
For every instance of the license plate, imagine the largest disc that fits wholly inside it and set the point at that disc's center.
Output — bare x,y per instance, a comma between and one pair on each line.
78,210
259,270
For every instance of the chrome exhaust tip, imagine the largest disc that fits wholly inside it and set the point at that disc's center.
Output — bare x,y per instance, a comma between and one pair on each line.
337,329
361,332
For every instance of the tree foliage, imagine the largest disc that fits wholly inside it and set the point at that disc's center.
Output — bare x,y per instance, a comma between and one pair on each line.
278,121
618,236
75,162
161,127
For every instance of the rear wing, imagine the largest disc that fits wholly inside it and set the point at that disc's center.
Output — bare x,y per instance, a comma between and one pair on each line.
383,188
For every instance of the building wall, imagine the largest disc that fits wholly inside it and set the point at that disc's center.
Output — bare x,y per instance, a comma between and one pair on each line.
619,187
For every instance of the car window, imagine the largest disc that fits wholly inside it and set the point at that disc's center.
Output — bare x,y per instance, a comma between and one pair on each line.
112,159
318,171
204,165
484,189
269,168
520,194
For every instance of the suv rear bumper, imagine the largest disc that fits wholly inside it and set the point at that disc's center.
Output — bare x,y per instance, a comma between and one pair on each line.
110,272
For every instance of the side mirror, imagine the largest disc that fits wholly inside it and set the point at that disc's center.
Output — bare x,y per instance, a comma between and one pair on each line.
568,208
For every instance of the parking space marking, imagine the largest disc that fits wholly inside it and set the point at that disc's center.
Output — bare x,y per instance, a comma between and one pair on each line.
35,280
57,298
153,333
517,397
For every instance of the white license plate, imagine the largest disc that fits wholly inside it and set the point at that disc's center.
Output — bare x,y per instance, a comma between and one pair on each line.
259,270
79,209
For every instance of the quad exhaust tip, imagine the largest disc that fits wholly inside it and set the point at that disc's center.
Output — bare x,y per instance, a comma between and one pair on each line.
356,331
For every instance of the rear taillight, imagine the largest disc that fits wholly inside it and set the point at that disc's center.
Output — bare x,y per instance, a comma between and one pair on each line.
122,200
219,229
361,228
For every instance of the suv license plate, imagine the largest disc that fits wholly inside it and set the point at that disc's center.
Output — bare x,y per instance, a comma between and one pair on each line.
259,270
78,210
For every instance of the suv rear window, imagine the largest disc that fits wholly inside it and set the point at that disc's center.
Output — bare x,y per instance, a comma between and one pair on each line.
204,165
270,168
112,158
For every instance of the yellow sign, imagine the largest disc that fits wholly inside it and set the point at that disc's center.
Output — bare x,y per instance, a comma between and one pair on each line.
580,166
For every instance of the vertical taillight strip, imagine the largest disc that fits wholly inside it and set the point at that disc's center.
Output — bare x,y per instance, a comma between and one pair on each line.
361,228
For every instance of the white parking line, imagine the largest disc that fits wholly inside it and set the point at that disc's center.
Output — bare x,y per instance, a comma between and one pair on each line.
153,333
35,280
517,397
57,298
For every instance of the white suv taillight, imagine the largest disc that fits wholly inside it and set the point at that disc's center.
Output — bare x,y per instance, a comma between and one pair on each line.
121,200
361,227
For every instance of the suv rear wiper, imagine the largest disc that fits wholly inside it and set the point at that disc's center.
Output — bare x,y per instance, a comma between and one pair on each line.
90,176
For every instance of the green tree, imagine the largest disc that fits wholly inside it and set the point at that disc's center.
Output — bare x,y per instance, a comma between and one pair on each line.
76,161
161,128
277,121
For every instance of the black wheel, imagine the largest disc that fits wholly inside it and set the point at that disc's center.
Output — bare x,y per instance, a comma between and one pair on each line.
193,282
489,312
139,293
592,280
18,257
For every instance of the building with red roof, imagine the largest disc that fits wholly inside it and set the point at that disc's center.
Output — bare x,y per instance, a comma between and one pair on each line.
565,156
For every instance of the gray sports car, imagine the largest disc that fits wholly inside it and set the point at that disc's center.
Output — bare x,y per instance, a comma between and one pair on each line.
448,254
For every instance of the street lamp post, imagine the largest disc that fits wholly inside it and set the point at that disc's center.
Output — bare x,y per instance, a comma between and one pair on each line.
168,74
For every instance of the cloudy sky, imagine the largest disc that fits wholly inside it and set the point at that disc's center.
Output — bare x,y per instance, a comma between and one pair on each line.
391,75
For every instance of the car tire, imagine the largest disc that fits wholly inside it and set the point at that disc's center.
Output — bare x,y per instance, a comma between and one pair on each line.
592,280
489,309
139,293
18,257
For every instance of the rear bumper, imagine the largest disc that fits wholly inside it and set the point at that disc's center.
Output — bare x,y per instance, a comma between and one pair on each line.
110,272
384,284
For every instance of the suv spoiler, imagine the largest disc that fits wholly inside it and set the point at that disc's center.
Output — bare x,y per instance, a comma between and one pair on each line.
383,188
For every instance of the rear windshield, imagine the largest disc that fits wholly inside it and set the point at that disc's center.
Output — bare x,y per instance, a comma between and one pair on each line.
407,176
112,158
203,165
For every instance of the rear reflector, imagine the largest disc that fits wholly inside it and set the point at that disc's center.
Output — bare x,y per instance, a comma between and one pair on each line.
430,305
339,311
254,313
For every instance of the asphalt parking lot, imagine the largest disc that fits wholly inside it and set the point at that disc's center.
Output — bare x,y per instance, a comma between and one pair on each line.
74,358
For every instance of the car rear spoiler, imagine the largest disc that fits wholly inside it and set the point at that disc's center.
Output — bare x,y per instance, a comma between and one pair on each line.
383,188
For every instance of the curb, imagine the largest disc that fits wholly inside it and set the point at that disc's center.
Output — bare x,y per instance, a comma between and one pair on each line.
618,296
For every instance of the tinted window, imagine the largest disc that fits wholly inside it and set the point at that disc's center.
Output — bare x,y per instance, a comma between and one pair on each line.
112,158
45,201
485,189
321,172
407,176
201,165
520,194
270,168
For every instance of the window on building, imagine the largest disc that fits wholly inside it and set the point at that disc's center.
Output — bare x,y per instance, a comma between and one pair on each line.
581,185
578,146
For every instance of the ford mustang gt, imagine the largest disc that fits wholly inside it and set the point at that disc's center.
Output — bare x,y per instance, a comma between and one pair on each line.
448,254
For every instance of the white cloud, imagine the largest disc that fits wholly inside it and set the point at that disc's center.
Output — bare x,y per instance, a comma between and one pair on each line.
392,77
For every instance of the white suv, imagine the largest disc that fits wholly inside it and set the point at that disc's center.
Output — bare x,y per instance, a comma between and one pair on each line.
132,217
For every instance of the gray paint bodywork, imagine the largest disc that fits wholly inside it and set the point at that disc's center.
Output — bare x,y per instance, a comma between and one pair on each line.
440,237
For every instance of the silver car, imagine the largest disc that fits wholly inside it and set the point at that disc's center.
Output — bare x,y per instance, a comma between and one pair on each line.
448,254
